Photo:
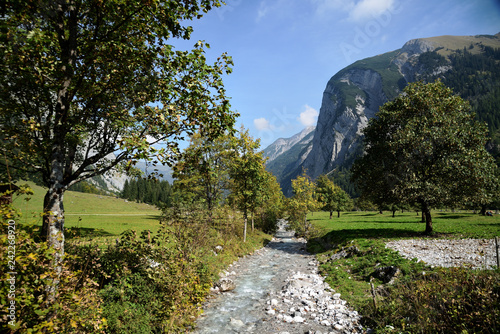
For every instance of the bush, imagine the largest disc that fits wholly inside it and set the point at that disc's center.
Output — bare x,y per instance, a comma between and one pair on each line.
141,284
455,300
129,303
77,308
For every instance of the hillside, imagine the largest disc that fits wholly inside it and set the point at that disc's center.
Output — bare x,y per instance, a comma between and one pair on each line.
467,64
91,212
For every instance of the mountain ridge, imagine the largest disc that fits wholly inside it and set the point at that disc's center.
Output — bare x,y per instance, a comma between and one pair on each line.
354,94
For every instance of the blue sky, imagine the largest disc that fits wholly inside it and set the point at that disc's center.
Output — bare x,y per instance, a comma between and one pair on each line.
285,51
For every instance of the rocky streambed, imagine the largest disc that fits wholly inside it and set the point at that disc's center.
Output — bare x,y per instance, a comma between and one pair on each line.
278,290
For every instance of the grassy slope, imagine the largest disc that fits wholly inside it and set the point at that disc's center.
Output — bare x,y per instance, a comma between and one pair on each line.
89,212
452,43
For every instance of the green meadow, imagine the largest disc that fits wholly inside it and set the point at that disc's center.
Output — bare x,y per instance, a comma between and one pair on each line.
90,215
353,225
425,299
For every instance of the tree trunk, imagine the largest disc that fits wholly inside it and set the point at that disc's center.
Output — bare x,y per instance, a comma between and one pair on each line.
53,218
245,228
393,213
338,214
428,219
53,233
331,214
305,225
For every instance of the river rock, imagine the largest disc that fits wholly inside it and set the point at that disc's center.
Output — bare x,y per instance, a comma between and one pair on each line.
279,290
387,274
225,284
236,323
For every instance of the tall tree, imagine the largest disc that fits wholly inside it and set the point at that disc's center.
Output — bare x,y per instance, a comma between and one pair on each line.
303,200
89,85
331,196
203,170
425,147
248,174
270,202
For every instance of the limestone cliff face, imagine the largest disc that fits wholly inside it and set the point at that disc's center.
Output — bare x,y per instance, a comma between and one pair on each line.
339,127
286,155
282,145
354,95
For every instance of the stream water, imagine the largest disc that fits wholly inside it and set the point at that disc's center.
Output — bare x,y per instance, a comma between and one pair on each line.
256,275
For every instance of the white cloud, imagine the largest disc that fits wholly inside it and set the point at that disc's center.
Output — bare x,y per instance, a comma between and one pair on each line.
366,9
309,116
262,11
354,10
326,7
261,124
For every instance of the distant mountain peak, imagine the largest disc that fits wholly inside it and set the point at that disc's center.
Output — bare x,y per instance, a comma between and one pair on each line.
281,145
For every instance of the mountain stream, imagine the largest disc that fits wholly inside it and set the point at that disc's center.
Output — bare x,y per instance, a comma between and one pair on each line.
277,290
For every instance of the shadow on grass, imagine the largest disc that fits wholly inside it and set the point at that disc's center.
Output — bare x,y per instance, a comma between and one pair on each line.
451,216
85,232
265,242
154,217
333,238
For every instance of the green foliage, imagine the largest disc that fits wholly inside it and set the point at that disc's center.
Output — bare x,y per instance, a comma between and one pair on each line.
248,175
88,87
156,282
332,197
342,178
203,172
142,283
425,147
456,300
87,187
271,203
149,191
302,202
78,307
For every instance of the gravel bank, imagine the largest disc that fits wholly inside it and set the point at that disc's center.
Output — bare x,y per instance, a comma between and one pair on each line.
474,253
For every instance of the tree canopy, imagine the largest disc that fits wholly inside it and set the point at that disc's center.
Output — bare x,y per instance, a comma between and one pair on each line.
88,86
248,175
202,173
425,147
302,201
331,197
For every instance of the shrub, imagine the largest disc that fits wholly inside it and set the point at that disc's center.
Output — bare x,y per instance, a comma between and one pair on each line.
77,308
457,300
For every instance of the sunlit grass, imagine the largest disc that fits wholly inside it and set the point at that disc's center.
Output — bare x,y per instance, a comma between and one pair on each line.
459,224
368,232
90,216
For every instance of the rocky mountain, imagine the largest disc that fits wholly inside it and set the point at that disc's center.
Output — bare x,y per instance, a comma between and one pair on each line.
285,155
282,145
468,64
